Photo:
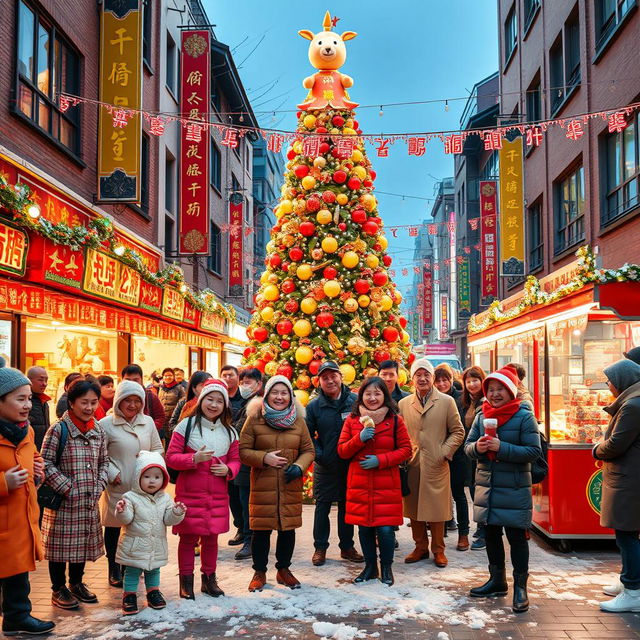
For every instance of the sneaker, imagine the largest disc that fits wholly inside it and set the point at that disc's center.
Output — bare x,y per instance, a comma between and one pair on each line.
627,600
129,604
613,589
478,544
29,625
155,599
63,599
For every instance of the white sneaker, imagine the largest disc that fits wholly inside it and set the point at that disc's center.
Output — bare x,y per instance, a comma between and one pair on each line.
613,589
628,600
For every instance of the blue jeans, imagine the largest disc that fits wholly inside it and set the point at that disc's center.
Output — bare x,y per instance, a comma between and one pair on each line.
386,543
322,526
629,545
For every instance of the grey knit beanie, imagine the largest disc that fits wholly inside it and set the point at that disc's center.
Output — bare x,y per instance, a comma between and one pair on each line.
11,379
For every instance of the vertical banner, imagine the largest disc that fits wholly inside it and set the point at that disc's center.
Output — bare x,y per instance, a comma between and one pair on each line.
444,316
488,239
511,209
427,299
235,245
119,133
195,76
464,288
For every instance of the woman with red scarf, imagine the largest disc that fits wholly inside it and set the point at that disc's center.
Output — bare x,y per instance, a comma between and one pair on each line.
503,482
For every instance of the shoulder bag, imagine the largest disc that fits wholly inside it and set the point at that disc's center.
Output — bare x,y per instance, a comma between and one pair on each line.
47,497
403,468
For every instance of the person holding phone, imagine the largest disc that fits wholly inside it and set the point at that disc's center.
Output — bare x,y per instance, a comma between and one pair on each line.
204,449
504,440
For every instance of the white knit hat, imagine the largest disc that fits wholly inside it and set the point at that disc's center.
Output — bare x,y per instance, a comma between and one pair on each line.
421,363
213,384
273,380
124,390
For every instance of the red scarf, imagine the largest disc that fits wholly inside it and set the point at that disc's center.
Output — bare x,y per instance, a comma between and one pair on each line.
189,408
43,397
83,426
170,385
502,414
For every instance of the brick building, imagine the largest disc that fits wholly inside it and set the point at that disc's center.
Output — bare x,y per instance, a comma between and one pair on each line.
565,58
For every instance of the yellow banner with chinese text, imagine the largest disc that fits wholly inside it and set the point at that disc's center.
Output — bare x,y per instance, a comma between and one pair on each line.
511,208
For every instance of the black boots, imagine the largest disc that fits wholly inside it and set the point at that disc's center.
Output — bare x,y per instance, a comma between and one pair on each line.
186,587
210,585
129,604
386,575
495,586
115,574
29,625
370,572
520,597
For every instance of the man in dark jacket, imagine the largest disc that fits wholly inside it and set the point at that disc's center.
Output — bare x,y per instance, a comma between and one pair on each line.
39,414
388,371
325,416
152,405
62,404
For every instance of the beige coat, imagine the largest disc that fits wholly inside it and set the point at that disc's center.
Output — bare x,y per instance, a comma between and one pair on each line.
436,433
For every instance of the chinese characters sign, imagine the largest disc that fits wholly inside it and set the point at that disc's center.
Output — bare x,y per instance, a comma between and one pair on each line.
109,278
488,237
427,300
13,249
464,288
444,316
172,304
511,209
235,245
120,133
194,144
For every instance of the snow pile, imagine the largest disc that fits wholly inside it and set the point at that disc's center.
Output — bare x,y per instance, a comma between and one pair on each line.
337,631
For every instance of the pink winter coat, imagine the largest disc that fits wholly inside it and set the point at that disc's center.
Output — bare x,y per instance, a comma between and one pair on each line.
205,494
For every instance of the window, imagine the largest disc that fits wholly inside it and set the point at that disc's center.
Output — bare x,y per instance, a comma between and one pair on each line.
171,79
564,63
510,34
169,183
144,174
609,14
534,101
215,169
215,249
169,237
235,185
530,8
569,214
534,235
46,66
622,172
147,25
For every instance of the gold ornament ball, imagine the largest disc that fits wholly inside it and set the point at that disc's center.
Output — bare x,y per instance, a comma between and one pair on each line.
302,328
302,396
304,272
332,288
273,278
320,162
329,244
308,183
386,303
297,147
271,247
309,122
402,377
350,259
360,172
324,216
267,314
300,206
405,337
308,306
286,206
369,371
271,368
383,242
342,199
304,354
372,261
348,131
271,292
350,305
288,240
357,156
397,297
364,301
348,373
264,278
368,202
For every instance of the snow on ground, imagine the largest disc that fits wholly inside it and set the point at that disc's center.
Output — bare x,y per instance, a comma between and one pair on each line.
421,592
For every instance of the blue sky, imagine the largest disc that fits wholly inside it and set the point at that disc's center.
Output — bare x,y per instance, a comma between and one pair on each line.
407,50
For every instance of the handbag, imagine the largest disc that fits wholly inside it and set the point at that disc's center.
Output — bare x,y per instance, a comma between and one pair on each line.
540,466
47,497
403,468
174,473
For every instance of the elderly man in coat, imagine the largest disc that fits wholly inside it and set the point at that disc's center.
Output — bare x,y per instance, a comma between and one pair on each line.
436,432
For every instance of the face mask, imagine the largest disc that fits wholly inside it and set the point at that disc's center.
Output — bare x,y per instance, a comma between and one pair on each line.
246,392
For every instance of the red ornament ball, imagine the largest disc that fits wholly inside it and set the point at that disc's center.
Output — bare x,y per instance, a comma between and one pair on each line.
321,129
373,174
367,183
403,322
291,154
285,370
288,286
374,332
390,334
338,121
260,365
361,286
328,196
370,228
380,278
284,327
339,177
285,266
314,365
411,358
285,344
291,306
342,226
324,319
301,170
387,260
381,356
324,147
275,261
329,273
260,334
354,183
313,203
296,254
359,215
307,228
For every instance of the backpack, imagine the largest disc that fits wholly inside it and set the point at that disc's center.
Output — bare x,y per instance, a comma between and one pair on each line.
540,466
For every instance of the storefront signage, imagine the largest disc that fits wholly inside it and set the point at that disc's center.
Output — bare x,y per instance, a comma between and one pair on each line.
21,298
62,265
150,297
211,322
107,277
464,288
488,240
511,208
559,277
427,299
194,143
172,304
594,491
119,132
444,316
13,249
190,314
235,245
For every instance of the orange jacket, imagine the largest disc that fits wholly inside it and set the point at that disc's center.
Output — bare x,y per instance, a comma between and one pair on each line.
19,533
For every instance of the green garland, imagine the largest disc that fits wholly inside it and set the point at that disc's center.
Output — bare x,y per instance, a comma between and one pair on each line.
100,234
534,295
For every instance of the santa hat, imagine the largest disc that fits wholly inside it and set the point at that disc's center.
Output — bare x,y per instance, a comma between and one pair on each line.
506,376
212,385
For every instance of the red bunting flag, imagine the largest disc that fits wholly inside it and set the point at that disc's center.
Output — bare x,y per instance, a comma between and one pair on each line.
416,146
617,122
575,130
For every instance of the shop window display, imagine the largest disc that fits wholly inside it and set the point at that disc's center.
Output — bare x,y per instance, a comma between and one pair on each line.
155,355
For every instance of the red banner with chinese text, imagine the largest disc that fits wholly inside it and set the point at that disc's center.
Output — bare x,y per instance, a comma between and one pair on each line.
427,300
489,239
194,144
235,246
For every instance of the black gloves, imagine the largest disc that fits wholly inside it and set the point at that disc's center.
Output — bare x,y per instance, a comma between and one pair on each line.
292,472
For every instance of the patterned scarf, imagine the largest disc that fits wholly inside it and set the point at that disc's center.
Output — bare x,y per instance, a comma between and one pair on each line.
282,419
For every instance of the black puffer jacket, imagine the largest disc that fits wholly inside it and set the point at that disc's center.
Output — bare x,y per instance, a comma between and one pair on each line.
39,419
325,418
503,486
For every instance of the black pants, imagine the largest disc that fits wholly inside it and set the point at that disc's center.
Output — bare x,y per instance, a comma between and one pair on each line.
57,573
285,545
386,543
459,470
16,605
111,537
322,526
517,541
236,506
243,493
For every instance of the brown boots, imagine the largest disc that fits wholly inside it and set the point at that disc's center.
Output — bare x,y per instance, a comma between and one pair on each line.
210,585
258,581
421,539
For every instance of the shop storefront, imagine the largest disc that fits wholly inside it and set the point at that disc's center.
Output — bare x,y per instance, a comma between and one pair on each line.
564,347
70,309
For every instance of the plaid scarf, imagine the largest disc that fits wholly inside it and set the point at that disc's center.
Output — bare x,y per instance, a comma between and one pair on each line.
282,419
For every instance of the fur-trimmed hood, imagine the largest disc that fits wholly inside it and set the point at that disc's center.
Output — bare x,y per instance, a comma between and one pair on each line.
254,408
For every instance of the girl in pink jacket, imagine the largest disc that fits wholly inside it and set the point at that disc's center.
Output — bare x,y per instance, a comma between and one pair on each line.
204,449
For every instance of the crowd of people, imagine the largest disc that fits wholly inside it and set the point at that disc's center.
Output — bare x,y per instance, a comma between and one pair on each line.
237,448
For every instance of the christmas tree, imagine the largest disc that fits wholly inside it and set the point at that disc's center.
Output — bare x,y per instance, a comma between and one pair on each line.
326,292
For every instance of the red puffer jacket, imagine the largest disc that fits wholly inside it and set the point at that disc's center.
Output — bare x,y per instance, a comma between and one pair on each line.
374,497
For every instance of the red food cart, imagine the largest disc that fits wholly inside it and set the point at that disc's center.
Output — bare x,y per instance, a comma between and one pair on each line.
564,344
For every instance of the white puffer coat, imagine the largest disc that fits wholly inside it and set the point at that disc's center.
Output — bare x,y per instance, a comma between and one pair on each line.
143,543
